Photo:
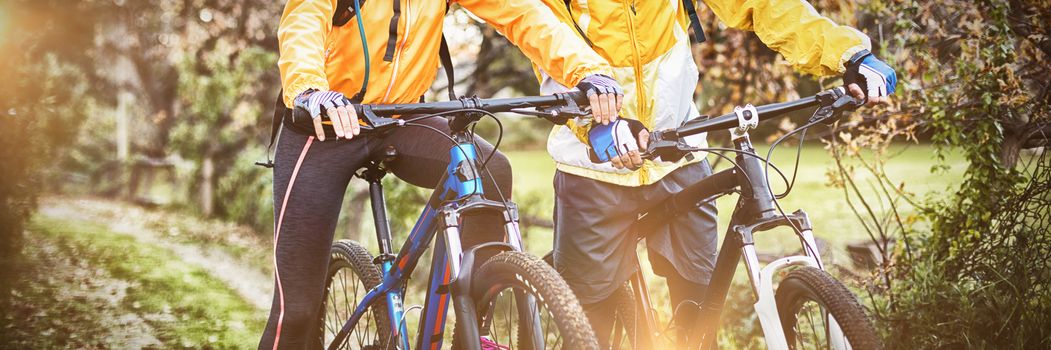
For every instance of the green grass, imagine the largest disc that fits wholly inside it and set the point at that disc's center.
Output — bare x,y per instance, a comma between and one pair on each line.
197,310
827,207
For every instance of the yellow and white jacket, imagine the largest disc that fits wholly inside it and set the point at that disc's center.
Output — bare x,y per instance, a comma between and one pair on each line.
316,55
647,44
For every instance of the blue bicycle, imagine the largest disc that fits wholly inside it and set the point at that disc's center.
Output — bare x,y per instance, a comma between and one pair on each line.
512,300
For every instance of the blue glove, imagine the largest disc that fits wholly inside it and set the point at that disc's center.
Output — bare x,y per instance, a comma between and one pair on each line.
875,77
604,96
614,139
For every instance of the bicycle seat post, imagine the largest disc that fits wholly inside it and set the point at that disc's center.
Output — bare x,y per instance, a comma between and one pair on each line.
374,173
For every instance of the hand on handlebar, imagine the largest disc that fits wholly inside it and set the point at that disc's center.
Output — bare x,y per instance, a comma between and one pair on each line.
869,79
618,142
604,95
336,107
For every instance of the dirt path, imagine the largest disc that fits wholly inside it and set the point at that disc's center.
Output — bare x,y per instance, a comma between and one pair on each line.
207,244
98,274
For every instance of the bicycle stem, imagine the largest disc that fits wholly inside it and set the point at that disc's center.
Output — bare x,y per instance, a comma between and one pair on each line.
758,189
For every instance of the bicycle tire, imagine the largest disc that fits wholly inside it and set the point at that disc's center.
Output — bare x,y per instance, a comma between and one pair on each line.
350,257
808,284
522,272
626,318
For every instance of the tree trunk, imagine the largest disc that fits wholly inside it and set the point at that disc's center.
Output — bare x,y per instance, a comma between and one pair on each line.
207,181
356,216
480,77
123,141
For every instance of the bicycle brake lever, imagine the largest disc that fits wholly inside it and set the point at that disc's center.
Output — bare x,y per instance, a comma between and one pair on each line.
833,104
846,103
373,121
560,114
666,145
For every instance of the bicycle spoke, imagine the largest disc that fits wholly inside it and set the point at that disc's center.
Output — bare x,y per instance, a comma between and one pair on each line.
334,326
518,326
507,319
799,339
810,321
815,328
828,329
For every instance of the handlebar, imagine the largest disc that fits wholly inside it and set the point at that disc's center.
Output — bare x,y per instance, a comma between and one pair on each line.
557,108
825,98
493,105
831,104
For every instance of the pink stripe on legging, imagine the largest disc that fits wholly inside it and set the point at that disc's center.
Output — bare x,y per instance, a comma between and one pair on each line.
277,235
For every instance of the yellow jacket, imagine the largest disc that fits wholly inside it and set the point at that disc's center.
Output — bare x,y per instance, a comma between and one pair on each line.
314,54
646,43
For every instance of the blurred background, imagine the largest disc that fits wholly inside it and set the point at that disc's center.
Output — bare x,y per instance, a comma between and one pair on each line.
132,214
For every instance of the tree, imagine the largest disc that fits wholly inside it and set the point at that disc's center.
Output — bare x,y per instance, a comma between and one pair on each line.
974,78
41,103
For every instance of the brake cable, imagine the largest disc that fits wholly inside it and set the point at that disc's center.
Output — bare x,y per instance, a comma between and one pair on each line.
777,204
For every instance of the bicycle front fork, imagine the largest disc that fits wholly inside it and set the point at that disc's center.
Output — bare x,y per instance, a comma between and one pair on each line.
453,268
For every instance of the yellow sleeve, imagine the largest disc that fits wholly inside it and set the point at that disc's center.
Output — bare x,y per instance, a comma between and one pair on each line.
552,45
810,42
301,40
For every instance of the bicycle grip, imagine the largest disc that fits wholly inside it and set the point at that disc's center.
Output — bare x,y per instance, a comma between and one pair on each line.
847,103
580,97
300,120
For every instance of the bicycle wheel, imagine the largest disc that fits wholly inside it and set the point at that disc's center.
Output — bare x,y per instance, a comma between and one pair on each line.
624,325
626,319
351,274
808,300
522,303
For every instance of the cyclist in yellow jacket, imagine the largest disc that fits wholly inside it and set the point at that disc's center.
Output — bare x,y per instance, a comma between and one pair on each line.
647,44
322,64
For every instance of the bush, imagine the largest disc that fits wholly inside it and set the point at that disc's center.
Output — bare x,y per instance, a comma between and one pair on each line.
974,273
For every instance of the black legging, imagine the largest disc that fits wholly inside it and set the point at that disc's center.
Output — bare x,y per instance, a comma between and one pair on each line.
310,178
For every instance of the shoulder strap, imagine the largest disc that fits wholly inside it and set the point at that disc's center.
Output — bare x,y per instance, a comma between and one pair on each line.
447,63
577,26
695,22
392,39
344,12
275,127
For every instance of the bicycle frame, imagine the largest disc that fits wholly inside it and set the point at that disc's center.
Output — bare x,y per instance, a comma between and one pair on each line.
458,192
755,212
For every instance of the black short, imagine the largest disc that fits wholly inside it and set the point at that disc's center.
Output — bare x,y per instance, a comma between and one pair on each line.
595,248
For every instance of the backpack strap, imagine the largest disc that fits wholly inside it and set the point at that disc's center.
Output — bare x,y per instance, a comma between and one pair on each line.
577,26
344,12
392,39
275,127
447,63
695,22
691,13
